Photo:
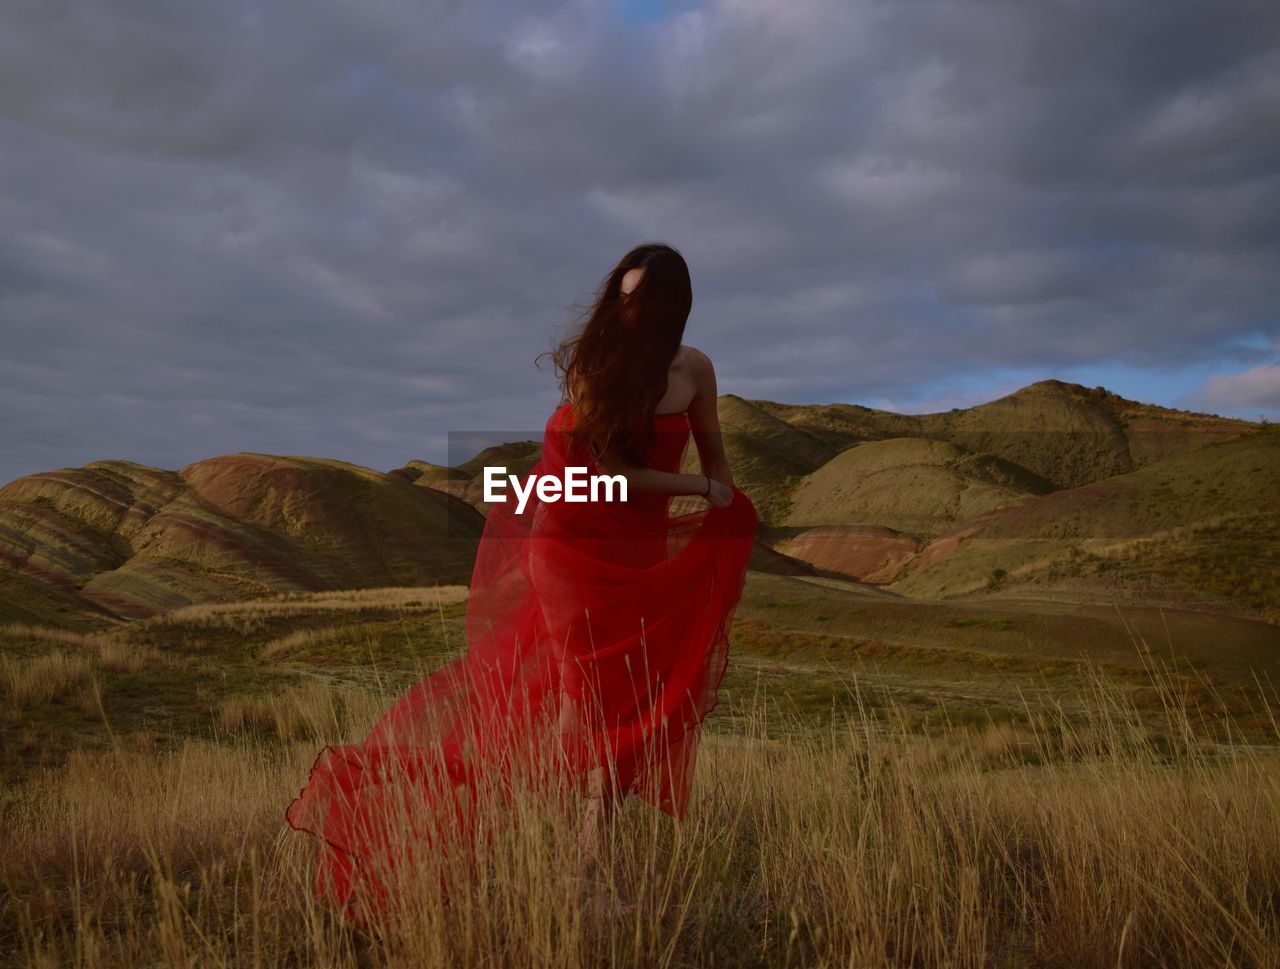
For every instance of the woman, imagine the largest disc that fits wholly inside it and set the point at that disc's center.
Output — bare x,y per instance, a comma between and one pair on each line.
597,632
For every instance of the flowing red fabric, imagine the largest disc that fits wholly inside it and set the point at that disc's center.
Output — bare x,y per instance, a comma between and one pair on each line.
597,637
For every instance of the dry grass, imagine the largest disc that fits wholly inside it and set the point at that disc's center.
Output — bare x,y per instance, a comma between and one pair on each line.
410,598
37,681
314,711
306,640
262,619
1082,841
48,635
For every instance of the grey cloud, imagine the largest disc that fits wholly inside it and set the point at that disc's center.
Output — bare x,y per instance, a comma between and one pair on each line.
347,229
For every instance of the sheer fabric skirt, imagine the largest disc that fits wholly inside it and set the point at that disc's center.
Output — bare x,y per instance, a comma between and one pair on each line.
597,638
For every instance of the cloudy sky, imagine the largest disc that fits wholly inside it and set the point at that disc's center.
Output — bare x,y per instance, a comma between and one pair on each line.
345,228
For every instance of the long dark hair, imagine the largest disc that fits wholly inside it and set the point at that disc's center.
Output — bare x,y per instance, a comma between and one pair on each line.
614,366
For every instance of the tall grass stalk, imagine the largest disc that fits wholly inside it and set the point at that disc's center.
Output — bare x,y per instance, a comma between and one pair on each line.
1084,839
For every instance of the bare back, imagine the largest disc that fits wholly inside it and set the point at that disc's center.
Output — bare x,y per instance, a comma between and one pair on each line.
691,387
682,384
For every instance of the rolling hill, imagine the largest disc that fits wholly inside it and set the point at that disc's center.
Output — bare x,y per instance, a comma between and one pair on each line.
123,538
1065,433
1054,490
1196,527
910,484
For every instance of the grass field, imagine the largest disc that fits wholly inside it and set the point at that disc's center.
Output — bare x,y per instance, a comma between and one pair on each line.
988,782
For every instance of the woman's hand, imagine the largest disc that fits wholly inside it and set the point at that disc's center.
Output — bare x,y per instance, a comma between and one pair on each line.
720,495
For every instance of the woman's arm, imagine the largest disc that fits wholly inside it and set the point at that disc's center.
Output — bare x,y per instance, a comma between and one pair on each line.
662,482
705,423
705,420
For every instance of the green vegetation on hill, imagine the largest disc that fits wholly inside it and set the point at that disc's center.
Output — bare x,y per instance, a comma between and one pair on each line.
1197,527
910,484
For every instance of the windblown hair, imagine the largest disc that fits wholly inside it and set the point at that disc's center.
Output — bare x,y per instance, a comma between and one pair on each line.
613,368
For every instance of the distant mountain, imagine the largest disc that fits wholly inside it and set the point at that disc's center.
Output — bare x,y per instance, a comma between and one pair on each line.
1065,433
132,540
1046,436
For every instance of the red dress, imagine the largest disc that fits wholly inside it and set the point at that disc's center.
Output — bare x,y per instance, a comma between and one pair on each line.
597,636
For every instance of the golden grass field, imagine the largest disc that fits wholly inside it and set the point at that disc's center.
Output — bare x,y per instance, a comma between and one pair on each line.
966,785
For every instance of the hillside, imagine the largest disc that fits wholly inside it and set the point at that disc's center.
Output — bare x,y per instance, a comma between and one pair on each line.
1065,433
1058,435
1196,527
1056,488
135,540
767,454
466,481
909,484
869,553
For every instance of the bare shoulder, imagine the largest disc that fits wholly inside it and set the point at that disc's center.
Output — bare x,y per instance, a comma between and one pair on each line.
699,372
694,359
